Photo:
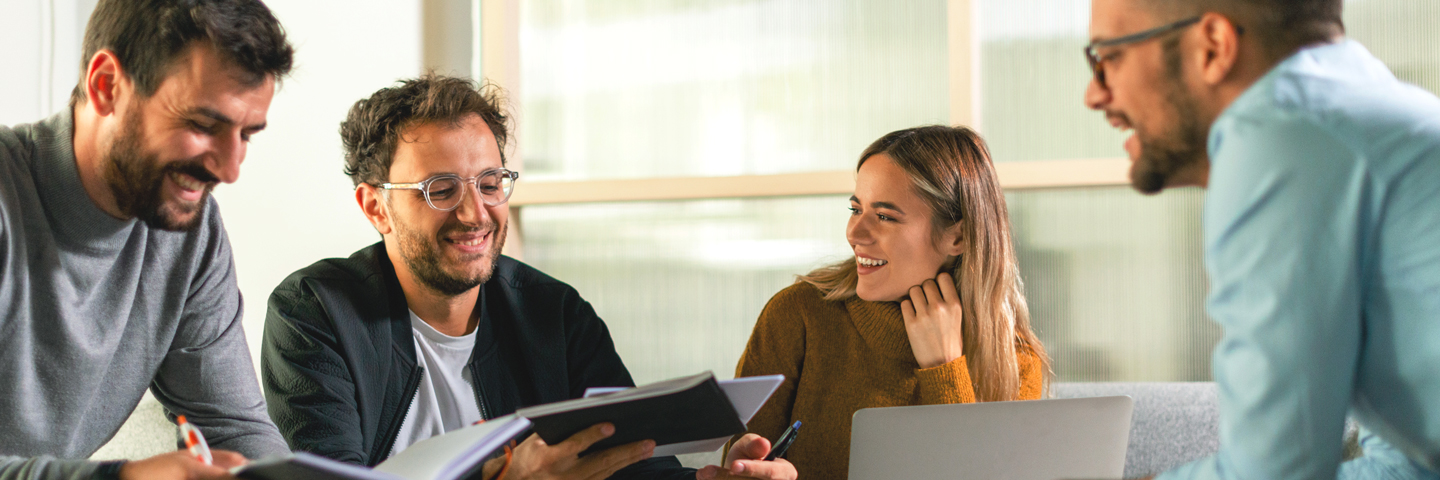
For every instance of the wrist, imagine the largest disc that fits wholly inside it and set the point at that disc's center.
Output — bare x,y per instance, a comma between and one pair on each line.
109,470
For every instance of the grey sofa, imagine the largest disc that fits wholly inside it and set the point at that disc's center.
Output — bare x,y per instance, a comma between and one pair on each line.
1173,423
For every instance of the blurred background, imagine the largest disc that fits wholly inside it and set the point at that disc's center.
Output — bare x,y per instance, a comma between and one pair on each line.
683,160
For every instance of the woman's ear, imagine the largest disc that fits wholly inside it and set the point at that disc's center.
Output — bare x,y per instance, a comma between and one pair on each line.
953,243
374,207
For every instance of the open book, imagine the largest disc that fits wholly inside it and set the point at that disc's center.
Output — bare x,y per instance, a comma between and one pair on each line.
688,412
446,457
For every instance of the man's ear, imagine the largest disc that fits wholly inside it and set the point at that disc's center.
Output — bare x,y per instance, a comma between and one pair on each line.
952,243
376,210
103,77
1219,47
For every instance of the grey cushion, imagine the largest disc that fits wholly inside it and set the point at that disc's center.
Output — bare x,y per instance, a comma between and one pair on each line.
1173,423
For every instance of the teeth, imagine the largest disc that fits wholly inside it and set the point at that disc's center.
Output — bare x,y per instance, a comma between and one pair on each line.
186,182
869,262
470,243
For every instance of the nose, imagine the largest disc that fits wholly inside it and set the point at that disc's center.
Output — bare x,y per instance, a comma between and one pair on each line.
1096,96
229,153
472,209
857,231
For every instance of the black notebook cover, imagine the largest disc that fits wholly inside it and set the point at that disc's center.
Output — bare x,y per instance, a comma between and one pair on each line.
697,412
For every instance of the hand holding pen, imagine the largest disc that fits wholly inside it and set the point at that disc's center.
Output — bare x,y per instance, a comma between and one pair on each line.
196,461
753,457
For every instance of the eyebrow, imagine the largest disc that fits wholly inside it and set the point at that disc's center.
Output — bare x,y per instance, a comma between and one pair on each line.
222,118
886,205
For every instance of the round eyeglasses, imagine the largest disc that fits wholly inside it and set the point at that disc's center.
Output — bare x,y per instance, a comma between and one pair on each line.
445,192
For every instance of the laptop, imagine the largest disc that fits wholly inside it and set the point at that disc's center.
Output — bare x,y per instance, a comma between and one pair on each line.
1024,440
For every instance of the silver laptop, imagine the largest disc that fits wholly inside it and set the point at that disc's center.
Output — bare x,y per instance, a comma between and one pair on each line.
1036,439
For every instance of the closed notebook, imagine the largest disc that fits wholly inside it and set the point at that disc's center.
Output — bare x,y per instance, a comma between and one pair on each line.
747,394
684,409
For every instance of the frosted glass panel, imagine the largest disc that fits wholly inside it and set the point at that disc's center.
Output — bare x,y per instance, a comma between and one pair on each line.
1116,282
1402,33
1114,278
681,88
1033,75
1032,78
681,283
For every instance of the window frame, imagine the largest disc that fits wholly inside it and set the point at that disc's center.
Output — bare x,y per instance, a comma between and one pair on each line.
497,59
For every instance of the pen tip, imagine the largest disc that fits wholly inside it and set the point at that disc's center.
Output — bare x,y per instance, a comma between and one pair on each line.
796,425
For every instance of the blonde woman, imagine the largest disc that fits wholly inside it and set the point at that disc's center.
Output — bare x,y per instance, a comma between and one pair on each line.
929,311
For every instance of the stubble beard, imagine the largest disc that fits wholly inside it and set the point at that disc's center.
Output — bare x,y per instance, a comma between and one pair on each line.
137,179
422,256
1165,156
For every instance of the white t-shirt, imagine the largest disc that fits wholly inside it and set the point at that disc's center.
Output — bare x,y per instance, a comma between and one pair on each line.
446,398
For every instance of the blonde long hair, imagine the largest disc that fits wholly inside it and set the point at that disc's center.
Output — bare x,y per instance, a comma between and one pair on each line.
950,168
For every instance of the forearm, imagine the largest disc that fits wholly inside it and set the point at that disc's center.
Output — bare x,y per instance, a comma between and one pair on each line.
46,468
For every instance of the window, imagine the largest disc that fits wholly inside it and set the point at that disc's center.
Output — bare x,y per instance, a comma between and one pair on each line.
685,160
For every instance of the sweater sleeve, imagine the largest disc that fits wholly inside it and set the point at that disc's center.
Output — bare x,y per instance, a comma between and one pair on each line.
46,468
776,346
950,383
1032,375
946,383
207,374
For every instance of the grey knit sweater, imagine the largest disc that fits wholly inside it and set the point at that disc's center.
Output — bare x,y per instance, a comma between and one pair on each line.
95,310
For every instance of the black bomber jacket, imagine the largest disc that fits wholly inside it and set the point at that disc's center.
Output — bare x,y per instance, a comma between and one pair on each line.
338,357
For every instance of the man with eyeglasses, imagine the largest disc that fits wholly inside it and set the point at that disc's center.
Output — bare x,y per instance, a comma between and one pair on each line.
1321,227
432,329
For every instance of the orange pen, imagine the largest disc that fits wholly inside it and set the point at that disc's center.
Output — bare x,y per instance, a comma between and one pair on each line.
195,441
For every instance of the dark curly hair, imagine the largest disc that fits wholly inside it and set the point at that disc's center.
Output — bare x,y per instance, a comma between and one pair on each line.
147,36
372,130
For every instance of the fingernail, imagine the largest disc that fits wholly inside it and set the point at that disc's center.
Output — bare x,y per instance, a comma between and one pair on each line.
738,468
607,429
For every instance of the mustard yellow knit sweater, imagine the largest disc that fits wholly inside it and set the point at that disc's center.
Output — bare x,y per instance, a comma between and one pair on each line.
839,357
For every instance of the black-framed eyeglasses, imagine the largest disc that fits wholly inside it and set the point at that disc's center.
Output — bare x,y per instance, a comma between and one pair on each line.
444,192
1097,62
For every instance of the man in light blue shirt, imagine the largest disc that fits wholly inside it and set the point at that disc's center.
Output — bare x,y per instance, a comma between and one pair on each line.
1322,223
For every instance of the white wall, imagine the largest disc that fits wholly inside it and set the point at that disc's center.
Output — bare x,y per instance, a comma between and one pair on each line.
293,204
40,62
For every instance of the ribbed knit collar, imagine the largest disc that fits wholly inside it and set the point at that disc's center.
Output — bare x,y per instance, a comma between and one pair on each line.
882,327
73,216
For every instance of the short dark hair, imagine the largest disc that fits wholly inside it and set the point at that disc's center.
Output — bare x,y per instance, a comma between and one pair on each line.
1281,25
148,36
371,132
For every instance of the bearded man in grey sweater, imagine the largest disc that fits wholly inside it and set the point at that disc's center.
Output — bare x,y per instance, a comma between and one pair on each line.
115,270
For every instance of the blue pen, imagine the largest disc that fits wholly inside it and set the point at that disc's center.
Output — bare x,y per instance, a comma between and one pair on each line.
784,442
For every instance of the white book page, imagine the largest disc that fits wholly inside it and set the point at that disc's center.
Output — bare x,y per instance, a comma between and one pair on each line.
286,466
448,456
747,394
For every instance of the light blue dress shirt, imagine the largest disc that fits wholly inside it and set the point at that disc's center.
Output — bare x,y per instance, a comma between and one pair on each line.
1322,242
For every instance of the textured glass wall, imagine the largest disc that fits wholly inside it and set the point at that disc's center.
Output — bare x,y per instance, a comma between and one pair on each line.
1115,282
683,88
1114,279
1403,33
681,283
1032,78
1033,75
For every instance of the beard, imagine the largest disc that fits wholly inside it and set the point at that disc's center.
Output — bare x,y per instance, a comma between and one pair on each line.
137,181
1163,157
421,254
